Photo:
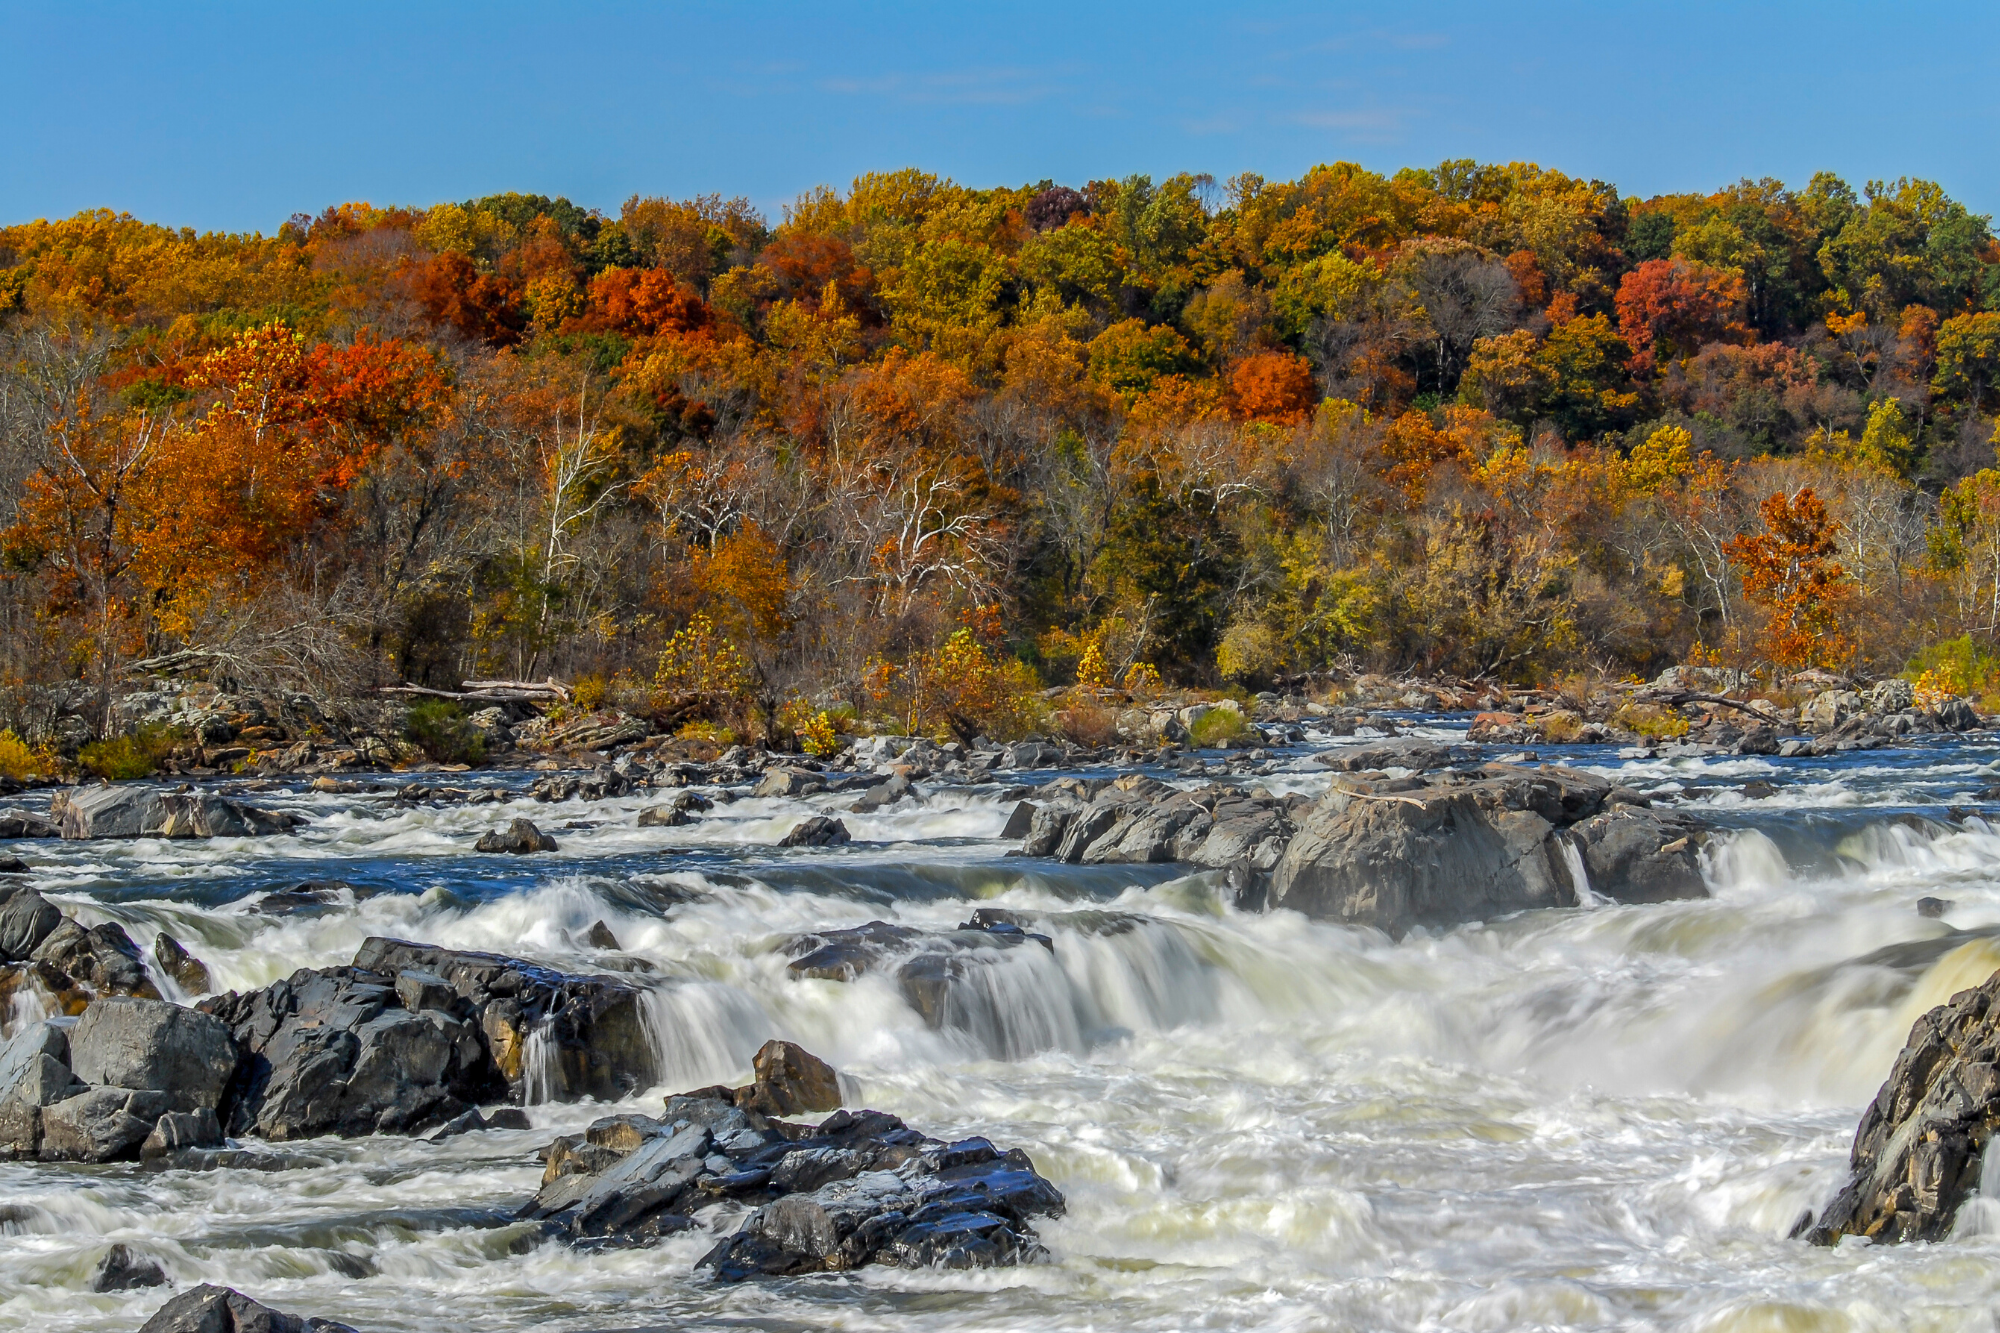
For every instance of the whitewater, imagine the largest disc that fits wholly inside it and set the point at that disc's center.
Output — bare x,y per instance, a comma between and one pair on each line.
1609,1117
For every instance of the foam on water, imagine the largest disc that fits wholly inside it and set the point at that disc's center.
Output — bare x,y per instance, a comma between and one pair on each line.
1567,1119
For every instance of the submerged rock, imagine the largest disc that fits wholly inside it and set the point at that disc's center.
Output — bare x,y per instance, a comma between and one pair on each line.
1921,1144
212,1309
122,1270
859,1188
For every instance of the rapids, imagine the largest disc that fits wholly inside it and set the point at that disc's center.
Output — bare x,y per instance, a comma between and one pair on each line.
1608,1117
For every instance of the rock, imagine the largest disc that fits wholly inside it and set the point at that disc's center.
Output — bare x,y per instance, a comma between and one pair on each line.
519,838
102,1124
1829,708
146,812
1637,855
26,824
1148,836
150,1044
1090,824
663,816
1247,835
26,919
1500,729
789,782
592,1028
1921,1143
212,1309
600,937
882,795
1760,739
790,1080
817,831
178,1130
1417,756
1048,826
122,1270
1956,715
35,1042
101,960
861,1187
842,955
1934,908
187,971
13,865
1409,853
1892,696
34,1074
1033,754
1020,822
334,1052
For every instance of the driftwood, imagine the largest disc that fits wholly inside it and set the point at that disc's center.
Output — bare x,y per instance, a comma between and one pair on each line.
1675,698
491,691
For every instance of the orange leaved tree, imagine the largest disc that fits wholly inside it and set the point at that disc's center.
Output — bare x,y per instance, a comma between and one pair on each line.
1789,571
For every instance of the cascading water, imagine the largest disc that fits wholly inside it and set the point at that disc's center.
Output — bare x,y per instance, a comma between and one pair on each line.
1608,1118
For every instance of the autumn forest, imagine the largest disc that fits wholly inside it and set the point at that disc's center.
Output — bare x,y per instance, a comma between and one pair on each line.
1494,422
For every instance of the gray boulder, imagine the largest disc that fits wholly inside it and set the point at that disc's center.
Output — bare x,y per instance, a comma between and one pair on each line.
147,812
817,831
1048,826
1400,854
789,781
212,1309
1147,836
177,1131
26,919
1956,715
519,839
1829,708
1892,696
101,1125
93,961
1921,1144
26,824
151,1044
1637,855
790,1080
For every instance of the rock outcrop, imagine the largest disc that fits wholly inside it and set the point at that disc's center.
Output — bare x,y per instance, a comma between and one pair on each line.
1454,847
1922,1142
212,1309
817,831
155,1046
860,1187
148,812
411,1037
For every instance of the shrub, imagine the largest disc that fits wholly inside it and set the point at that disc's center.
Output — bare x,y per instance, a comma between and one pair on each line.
1142,680
1562,727
1088,722
702,665
19,760
1218,725
706,733
814,727
134,755
438,728
590,693
1953,668
960,687
1650,720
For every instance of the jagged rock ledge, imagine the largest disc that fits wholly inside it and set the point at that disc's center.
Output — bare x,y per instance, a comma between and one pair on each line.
860,1187
212,1309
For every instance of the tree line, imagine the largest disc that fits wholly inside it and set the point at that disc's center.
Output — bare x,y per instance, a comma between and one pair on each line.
1492,421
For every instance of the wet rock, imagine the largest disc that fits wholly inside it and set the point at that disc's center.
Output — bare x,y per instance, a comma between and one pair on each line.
122,1270
591,1028
1641,856
600,937
1919,1150
181,1131
160,1047
842,955
519,838
859,1188
474,1122
664,816
1758,790
13,865
882,795
25,824
1019,823
334,1051
212,1309
1759,739
100,960
146,812
26,919
817,831
187,971
101,1125
1033,754
1934,908
1396,855
312,898
790,1080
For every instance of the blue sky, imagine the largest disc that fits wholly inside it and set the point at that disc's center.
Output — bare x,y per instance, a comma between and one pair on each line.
236,116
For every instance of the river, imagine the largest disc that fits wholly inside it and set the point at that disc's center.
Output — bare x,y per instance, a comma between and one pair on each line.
1602,1118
